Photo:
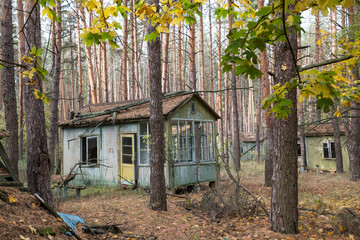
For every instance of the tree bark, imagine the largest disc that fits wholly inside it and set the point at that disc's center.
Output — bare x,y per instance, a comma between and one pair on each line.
221,122
88,59
8,84
38,160
235,113
21,48
180,60
284,197
202,58
192,65
157,158
124,58
212,81
354,138
80,80
165,74
54,103
317,53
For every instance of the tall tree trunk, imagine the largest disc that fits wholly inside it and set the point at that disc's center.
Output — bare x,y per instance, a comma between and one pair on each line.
38,160
165,74
212,80
72,73
192,65
235,113
174,63
91,81
124,58
317,53
284,197
221,122
54,103
21,48
105,74
301,116
132,51
354,139
202,58
8,84
80,80
157,159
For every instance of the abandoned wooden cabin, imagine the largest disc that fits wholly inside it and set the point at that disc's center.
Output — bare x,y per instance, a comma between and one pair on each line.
108,144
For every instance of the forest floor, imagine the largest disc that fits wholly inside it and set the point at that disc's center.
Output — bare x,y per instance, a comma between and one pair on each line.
320,197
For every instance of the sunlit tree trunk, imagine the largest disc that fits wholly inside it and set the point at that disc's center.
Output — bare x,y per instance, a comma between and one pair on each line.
80,80
221,122
38,160
192,64
124,58
212,80
202,58
91,81
8,84
54,103
317,52
165,68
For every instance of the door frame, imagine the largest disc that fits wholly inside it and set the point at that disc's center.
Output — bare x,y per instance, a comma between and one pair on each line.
135,164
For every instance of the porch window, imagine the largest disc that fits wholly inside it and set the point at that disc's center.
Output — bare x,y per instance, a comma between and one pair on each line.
205,141
182,141
329,150
144,143
89,150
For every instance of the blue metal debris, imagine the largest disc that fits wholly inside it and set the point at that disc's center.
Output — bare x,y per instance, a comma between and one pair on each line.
71,221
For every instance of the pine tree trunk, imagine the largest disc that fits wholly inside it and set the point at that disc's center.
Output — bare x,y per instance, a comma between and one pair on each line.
221,122
132,51
192,65
284,197
72,73
354,139
235,113
38,160
80,80
157,158
165,74
180,59
54,103
88,59
8,84
317,52
202,58
21,48
212,80
124,58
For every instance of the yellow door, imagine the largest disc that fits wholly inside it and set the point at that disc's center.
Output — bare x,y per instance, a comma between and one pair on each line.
127,159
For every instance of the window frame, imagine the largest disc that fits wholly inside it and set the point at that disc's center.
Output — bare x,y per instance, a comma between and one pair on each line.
86,162
331,154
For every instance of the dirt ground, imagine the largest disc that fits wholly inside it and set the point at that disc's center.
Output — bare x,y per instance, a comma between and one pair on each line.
321,197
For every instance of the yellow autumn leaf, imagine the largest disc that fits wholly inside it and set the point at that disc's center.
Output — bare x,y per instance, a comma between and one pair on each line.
346,103
238,24
12,199
23,238
341,228
283,67
319,42
300,227
337,114
32,229
162,29
47,11
178,20
290,20
27,59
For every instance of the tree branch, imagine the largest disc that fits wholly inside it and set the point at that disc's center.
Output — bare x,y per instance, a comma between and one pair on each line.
331,61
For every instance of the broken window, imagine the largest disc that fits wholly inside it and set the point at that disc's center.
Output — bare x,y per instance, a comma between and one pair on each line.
89,150
329,150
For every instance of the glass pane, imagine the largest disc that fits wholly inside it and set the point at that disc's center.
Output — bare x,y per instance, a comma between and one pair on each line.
127,150
83,150
127,141
144,141
325,150
144,157
127,159
333,151
92,149
143,128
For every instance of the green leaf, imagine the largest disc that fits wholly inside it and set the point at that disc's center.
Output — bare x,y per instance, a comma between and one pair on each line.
266,10
151,36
